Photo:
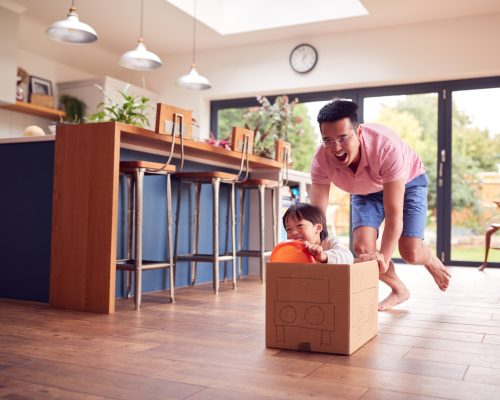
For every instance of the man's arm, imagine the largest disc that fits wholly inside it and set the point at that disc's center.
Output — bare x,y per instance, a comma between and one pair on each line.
319,194
393,206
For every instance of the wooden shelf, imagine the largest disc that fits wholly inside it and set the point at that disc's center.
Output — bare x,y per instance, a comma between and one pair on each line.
33,109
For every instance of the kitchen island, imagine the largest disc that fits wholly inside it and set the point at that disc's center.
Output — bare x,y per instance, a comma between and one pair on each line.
62,204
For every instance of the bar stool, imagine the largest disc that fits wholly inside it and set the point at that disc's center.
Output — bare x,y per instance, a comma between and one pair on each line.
242,140
134,172
261,185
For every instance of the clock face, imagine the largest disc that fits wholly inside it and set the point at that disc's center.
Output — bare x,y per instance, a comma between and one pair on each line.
303,58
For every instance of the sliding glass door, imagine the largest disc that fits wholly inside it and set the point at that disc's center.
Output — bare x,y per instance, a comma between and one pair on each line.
415,118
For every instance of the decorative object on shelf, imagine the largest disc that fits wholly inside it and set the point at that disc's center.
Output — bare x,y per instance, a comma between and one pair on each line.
41,92
131,111
74,108
271,122
71,30
224,143
22,87
140,58
193,80
33,130
303,58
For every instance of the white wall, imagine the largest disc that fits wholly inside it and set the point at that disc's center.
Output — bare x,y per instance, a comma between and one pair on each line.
438,50
9,22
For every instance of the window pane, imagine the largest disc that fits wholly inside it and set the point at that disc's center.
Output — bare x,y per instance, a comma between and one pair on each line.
475,172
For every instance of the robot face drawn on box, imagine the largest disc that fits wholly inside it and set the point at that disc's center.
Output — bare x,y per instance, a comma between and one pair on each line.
304,303
307,303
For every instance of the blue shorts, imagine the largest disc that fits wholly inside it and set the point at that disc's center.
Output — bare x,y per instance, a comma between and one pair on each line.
368,210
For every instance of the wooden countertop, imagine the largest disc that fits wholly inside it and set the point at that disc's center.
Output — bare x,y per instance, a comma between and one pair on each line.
138,138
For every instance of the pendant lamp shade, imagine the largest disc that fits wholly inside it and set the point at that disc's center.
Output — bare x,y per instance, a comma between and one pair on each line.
71,30
140,58
193,80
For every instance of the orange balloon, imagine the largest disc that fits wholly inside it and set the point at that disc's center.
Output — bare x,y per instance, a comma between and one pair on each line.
292,251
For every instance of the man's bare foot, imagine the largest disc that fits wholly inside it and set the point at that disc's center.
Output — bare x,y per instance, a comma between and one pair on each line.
396,297
439,272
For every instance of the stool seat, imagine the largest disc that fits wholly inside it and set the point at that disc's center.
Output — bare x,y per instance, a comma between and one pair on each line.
150,167
206,176
268,183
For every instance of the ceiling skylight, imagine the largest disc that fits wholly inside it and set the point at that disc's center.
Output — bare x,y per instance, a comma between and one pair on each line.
229,17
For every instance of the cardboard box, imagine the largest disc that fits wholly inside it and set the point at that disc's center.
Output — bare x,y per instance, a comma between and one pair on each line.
326,308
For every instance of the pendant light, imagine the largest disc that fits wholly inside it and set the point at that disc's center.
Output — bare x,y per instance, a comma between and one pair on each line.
71,30
193,80
140,58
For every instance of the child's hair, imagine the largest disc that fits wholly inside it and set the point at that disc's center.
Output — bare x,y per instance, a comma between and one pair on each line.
310,213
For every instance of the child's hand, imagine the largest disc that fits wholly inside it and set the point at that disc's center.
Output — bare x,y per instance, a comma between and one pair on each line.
379,257
317,251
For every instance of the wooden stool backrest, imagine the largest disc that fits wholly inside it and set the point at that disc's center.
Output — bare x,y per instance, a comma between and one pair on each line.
283,155
174,121
242,141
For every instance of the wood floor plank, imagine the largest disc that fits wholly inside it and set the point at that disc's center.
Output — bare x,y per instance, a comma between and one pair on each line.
99,382
376,394
454,357
484,375
406,383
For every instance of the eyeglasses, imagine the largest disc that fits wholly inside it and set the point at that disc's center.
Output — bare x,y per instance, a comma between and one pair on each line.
344,139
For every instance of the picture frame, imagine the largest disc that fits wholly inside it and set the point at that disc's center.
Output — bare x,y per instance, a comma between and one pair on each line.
41,86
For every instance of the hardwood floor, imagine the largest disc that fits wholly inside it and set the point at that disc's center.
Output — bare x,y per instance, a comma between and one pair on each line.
435,346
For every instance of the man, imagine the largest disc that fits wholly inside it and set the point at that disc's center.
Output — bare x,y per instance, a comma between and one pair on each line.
386,179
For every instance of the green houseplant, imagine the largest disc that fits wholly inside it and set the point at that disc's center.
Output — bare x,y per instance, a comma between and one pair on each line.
132,110
74,108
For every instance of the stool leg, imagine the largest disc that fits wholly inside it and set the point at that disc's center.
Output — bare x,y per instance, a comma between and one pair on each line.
275,217
262,196
233,232
177,216
170,246
228,227
489,233
130,232
194,264
242,230
215,193
139,177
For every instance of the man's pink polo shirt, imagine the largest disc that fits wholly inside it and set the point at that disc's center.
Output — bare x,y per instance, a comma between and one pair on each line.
385,157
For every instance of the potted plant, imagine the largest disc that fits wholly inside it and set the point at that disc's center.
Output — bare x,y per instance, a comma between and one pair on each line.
73,107
131,111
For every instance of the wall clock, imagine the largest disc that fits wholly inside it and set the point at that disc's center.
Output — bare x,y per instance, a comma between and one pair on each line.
303,58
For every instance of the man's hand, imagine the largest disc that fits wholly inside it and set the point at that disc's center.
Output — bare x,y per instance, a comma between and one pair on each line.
382,264
317,251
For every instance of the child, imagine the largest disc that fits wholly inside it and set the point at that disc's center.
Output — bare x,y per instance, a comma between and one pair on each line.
307,223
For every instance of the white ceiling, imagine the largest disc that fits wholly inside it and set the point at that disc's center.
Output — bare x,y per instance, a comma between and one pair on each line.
168,30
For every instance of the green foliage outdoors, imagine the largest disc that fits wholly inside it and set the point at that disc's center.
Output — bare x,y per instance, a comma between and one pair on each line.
131,111
475,150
